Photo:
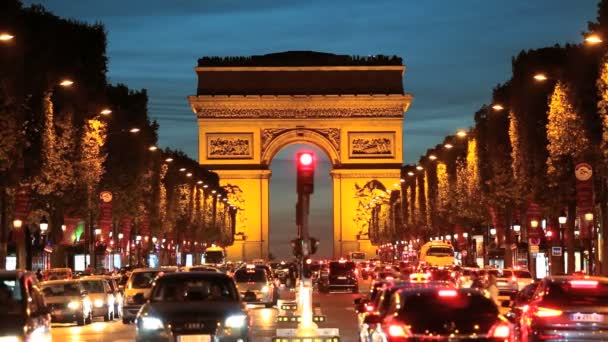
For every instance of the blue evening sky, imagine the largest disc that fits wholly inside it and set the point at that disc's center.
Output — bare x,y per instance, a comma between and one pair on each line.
455,53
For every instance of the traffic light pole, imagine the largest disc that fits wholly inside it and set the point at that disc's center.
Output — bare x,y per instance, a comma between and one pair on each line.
306,327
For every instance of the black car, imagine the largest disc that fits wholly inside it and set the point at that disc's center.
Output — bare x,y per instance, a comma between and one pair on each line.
195,305
341,276
24,315
441,314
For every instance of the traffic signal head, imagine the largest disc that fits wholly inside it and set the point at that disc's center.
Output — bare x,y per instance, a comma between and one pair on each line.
306,172
314,245
296,245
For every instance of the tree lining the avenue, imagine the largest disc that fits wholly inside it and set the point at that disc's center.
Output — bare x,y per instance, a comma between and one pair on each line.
517,163
60,148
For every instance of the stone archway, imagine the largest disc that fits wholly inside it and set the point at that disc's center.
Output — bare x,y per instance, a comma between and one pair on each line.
247,113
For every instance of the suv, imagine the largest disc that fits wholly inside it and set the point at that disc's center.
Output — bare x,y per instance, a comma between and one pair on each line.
509,281
255,285
341,275
24,315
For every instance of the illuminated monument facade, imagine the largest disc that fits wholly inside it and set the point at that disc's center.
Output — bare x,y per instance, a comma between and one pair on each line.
249,108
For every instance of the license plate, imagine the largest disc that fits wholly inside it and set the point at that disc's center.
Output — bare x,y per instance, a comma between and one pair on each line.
586,317
194,338
341,277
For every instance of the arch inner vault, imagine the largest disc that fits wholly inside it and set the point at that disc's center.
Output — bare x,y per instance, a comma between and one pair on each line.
248,109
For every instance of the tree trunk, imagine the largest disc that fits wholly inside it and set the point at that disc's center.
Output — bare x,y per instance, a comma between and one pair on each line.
569,236
604,244
3,229
507,241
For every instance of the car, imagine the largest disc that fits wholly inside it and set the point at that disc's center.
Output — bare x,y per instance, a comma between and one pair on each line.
440,314
193,306
509,281
519,304
341,276
68,301
200,268
101,295
57,274
25,315
255,285
137,290
567,308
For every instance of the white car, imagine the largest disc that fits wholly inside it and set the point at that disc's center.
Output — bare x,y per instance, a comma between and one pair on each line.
510,281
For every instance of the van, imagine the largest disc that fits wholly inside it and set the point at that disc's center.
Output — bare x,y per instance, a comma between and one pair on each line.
436,253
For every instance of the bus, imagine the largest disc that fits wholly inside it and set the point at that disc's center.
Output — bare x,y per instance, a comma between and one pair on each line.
214,255
436,253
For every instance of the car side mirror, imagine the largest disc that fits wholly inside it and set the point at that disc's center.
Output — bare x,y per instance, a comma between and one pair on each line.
372,319
505,304
139,299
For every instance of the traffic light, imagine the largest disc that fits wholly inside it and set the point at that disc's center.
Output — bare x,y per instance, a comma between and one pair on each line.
307,270
296,245
314,245
306,172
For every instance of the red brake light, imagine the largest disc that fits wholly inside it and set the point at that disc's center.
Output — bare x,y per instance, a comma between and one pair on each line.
369,308
395,330
513,278
547,312
583,284
500,330
389,278
448,293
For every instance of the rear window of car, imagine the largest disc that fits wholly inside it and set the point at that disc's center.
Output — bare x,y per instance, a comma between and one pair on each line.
94,286
440,251
523,274
428,312
143,280
194,289
565,293
505,274
250,276
341,267
59,290
12,287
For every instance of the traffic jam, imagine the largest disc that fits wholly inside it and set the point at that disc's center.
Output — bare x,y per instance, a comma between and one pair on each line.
429,299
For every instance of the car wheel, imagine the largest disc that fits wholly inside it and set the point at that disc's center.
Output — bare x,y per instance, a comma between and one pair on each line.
81,320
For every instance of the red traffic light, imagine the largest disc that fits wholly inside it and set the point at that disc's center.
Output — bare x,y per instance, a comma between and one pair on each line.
306,158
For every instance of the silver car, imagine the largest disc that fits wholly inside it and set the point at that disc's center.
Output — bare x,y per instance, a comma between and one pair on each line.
101,295
255,285
68,301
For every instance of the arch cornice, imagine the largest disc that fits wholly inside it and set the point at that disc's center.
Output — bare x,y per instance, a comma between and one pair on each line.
299,136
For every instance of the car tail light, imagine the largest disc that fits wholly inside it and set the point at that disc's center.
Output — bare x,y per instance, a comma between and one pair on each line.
583,284
500,330
513,278
547,312
369,308
389,278
397,330
448,293
357,272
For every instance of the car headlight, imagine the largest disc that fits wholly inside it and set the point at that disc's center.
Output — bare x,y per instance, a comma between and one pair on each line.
236,321
10,338
265,289
151,323
98,303
73,305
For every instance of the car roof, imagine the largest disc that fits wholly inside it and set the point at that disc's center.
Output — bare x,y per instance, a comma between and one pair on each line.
15,273
572,277
194,274
60,281
164,269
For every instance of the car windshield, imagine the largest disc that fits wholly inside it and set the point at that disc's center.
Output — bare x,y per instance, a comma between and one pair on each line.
143,280
341,268
432,313
576,294
214,257
250,276
61,289
440,251
203,269
194,290
93,286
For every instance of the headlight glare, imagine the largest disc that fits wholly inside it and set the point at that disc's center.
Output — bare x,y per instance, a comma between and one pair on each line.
73,305
9,338
236,321
98,303
265,289
151,323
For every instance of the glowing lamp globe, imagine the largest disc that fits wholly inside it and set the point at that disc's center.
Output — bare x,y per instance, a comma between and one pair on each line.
306,159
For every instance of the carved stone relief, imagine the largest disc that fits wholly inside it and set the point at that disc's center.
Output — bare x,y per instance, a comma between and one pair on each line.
331,134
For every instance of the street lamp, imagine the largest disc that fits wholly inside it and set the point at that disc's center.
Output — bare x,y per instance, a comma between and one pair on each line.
419,168
493,231
516,227
168,160
134,130
448,146
63,227
461,133
17,223
593,39
534,223
106,111
540,77
432,157
410,173
497,107
44,225
152,148
5,37
66,83
588,217
97,231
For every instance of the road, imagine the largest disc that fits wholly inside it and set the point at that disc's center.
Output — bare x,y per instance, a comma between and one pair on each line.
337,307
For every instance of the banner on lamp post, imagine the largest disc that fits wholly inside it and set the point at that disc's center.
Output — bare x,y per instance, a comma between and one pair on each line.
584,197
105,213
